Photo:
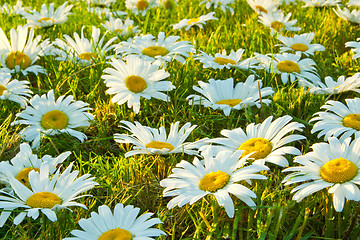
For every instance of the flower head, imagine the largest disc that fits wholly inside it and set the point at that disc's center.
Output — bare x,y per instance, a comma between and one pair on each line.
341,85
338,119
20,54
264,141
278,22
123,224
222,4
353,16
263,6
140,6
320,3
149,140
82,50
334,165
197,21
116,25
47,194
14,90
46,116
221,94
355,46
300,44
48,16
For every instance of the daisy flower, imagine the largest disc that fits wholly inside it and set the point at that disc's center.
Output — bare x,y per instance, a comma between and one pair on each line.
48,17
24,162
159,51
290,66
14,90
354,3
105,12
353,16
266,141
136,78
217,176
334,165
123,224
341,85
116,25
10,9
82,50
338,119
47,194
321,3
221,60
46,116
149,140
222,4
168,4
263,6
221,94
355,46
20,54
140,6
198,21
278,22
300,44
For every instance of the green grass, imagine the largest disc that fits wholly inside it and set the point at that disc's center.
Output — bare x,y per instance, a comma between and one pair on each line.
135,180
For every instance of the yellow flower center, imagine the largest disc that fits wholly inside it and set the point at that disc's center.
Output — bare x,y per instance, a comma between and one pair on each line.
192,21
155,51
338,170
116,234
87,56
288,66
2,90
54,119
135,84
45,19
23,176
260,146
230,102
278,26
43,200
160,145
299,47
169,4
18,59
214,181
224,61
142,4
261,9
352,121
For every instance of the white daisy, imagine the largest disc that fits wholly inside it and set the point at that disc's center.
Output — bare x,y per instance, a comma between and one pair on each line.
300,44
116,25
355,46
46,116
13,9
263,6
338,119
20,54
217,176
48,17
266,141
136,78
353,16
47,194
321,3
341,85
24,162
354,3
82,50
290,66
168,4
334,165
222,4
140,6
123,224
14,90
278,22
149,140
221,94
222,60
160,51
198,21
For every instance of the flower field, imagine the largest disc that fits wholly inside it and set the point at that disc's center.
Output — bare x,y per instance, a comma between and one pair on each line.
180,119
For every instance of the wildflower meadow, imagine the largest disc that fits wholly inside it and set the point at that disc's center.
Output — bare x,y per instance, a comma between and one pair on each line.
180,119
